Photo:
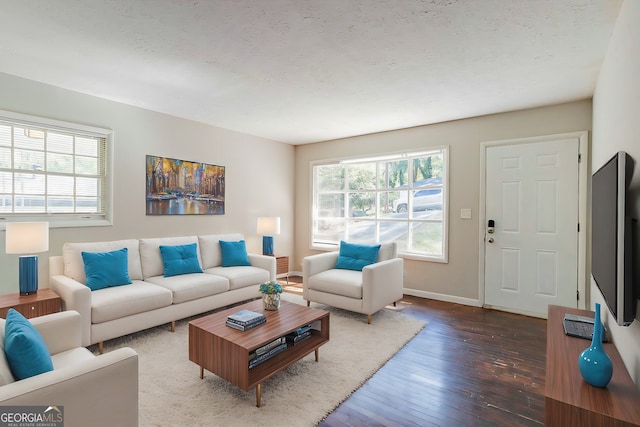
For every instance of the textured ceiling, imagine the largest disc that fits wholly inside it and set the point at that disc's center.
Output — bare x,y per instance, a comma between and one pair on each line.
301,71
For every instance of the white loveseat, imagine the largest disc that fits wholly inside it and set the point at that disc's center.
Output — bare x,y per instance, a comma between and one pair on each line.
367,291
93,390
152,299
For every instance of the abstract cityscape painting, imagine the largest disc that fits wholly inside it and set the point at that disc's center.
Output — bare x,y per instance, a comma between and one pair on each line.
180,187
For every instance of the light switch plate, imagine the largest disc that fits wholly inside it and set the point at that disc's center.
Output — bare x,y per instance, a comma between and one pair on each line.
465,213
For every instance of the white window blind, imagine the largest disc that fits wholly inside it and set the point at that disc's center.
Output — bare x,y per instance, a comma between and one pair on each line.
52,169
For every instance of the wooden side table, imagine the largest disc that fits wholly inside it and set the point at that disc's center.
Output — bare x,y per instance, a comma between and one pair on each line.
282,265
45,301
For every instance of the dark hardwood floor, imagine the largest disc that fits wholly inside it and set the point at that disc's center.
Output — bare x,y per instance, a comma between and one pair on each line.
468,367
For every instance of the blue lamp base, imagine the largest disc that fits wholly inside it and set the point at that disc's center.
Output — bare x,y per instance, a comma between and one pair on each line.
28,274
267,245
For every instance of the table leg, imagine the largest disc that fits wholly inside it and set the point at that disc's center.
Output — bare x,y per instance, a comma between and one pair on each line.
258,394
317,354
201,372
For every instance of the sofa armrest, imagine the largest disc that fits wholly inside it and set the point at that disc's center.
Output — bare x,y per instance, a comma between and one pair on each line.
60,331
266,262
75,296
382,283
314,264
102,391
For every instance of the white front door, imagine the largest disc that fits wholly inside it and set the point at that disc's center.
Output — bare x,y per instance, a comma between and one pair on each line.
532,197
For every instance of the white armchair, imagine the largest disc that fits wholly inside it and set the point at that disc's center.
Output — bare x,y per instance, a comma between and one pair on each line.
94,390
366,291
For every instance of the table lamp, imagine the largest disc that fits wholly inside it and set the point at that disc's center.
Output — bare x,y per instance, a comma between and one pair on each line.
267,227
27,238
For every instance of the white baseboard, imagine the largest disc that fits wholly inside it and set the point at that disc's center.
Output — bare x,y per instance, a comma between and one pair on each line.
423,294
443,297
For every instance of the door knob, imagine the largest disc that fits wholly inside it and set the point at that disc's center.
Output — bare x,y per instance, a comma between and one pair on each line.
490,240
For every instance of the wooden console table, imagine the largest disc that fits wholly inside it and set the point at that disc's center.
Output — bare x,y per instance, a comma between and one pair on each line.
571,401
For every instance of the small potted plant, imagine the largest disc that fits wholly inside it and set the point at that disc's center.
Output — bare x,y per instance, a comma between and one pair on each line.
271,295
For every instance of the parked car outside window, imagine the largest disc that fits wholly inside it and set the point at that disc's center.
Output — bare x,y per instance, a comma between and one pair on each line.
422,200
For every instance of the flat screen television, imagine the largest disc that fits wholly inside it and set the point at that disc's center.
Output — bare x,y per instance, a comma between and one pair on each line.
611,234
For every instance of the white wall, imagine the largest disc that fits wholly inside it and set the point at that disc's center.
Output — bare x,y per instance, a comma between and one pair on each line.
616,127
458,279
259,172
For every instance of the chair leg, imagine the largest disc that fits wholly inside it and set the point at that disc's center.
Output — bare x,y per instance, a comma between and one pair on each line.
368,319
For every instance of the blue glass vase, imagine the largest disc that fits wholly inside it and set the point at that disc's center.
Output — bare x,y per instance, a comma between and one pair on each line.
595,365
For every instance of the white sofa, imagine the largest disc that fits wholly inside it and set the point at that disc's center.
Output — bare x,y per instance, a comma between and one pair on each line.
153,299
94,390
366,291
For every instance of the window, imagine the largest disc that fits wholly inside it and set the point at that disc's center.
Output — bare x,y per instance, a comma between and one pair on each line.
52,170
398,198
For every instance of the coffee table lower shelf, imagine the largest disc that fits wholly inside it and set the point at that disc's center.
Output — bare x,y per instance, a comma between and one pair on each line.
224,351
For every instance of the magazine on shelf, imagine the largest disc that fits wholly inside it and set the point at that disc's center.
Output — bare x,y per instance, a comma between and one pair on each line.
294,338
265,348
266,356
302,329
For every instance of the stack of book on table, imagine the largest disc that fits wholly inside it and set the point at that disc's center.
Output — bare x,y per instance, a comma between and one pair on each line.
298,335
245,319
267,351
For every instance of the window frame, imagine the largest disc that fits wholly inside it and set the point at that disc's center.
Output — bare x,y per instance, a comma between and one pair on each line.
65,219
408,155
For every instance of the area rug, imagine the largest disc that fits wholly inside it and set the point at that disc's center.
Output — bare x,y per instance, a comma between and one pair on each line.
172,393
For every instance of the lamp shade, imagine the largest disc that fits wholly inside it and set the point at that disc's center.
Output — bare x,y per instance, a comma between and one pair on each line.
268,225
27,237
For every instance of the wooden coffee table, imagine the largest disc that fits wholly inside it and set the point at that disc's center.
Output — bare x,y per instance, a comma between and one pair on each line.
224,351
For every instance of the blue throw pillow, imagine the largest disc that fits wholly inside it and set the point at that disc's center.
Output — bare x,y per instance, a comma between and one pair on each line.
181,259
106,269
24,347
234,253
356,257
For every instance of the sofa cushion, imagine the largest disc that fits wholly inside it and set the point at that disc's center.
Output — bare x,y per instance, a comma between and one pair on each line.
180,259
388,251
72,357
210,252
347,283
356,257
150,256
234,254
187,287
241,277
6,377
105,269
24,347
74,265
114,303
